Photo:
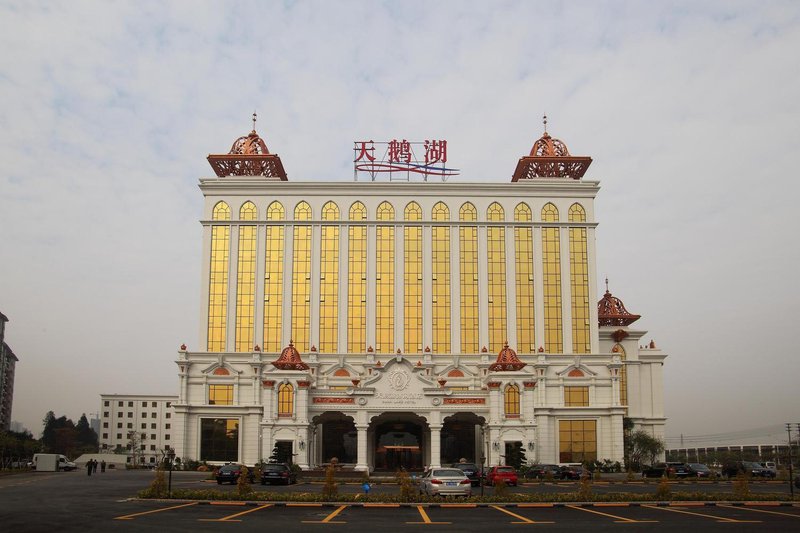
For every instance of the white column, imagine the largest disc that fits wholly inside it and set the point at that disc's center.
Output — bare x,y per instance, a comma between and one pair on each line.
436,445
361,461
204,286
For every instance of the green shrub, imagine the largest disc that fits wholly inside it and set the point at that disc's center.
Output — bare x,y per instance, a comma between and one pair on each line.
741,487
329,490
407,489
500,488
585,489
663,491
243,486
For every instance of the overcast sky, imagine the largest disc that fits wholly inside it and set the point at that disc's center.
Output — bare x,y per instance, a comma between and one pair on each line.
689,109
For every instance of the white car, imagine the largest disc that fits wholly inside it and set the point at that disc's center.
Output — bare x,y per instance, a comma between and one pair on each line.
445,482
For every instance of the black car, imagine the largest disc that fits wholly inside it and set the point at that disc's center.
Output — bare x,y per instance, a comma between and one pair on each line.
543,471
471,470
574,472
680,470
231,474
700,470
748,468
277,473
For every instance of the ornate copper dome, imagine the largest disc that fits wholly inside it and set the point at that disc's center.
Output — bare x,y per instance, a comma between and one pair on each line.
550,158
248,156
506,360
611,311
290,359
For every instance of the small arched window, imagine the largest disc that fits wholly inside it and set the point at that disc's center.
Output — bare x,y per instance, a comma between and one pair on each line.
549,213
358,211
468,213
221,212
385,211
522,213
440,211
577,213
286,400
495,213
413,211
248,211
512,401
330,211
275,211
302,211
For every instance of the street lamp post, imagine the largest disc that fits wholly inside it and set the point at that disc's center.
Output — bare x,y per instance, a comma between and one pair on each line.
170,458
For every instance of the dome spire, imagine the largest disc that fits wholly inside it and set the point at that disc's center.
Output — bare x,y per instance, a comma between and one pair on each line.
248,156
550,158
611,311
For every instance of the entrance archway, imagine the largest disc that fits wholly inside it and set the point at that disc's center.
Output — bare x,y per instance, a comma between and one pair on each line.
336,437
462,438
399,441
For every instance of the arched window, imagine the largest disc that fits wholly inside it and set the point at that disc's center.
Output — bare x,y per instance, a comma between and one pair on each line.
579,281
496,262
623,375
551,281
301,278
412,280
286,400
218,279
273,279
523,244
468,273
357,281
246,279
384,282
440,240
329,280
512,401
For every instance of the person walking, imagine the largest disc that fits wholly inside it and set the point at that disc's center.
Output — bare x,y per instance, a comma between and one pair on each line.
103,466
89,467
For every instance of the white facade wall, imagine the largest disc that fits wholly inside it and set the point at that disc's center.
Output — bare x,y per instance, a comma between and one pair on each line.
150,416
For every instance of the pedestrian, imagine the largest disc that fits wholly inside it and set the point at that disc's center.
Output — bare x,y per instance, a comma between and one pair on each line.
103,465
96,464
89,467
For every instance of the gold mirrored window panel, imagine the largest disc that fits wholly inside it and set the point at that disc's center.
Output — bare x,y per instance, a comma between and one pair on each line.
523,246
577,441
551,280
412,278
496,262
218,279
579,281
286,400
468,278
246,279
220,394
511,401
384,282
273,279
576,396
441,279
623,376
357,281
329,280
301,278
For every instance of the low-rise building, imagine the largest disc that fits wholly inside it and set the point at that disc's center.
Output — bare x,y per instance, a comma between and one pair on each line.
138,425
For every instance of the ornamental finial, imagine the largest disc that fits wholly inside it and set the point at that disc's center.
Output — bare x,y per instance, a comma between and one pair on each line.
606,284
544,121
255,117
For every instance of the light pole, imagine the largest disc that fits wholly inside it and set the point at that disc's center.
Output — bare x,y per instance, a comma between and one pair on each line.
170,458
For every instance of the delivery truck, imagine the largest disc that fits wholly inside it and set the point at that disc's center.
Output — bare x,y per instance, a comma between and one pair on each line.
52,462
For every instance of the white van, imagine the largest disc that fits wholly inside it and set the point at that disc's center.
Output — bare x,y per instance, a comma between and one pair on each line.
52,462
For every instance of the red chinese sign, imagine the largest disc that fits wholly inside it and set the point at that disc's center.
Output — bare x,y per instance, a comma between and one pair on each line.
400,159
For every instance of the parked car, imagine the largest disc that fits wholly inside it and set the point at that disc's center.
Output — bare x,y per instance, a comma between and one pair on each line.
445,482
506,473
749,468
471,470
770,465
700,470
278,473
231,474
669,469
574,472
541,471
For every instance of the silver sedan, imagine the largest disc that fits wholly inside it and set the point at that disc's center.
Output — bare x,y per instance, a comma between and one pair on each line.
445,482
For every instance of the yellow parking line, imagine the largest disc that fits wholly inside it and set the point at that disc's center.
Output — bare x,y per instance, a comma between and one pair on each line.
328,519
760,510
231,517
717,518
520,517
621,519
425,518
130,516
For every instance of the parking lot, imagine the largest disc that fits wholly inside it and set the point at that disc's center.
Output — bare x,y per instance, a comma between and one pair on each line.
105,502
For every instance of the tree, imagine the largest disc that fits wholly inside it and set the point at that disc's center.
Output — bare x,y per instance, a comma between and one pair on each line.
48,433
86,438
134,451
644,448
515,455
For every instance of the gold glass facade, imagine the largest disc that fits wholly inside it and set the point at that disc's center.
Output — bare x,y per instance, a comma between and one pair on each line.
329,281
286,400
273,279
496,262
246,280
412,278
576,396
551,279
357,282
220,395
579,281
384,281
623,376
577,441
440,240
218,279
511,401
523,245
301,278
468,273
